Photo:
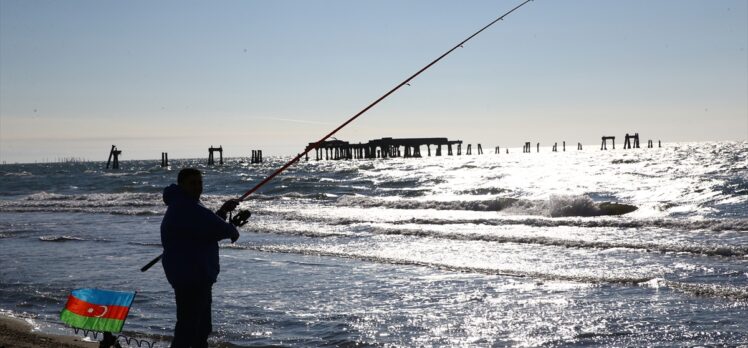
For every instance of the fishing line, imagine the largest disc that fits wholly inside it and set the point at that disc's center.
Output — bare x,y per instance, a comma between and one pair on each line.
354,117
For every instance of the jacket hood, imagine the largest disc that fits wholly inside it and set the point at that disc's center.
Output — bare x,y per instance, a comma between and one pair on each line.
173,194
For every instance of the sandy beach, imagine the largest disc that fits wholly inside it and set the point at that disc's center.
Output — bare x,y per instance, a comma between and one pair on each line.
16,333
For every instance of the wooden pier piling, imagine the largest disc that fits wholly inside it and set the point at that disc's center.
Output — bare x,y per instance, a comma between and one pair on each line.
164,159
257,157
627,143
211,159
604,144
113,158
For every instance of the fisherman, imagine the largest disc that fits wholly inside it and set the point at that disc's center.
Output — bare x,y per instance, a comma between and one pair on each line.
190,234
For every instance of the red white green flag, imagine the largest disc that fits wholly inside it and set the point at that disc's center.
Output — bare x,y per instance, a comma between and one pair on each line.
97,310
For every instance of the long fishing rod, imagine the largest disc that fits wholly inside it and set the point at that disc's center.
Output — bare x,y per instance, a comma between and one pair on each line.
354,117
319,143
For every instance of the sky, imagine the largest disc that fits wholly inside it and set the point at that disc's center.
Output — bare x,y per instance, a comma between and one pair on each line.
180,76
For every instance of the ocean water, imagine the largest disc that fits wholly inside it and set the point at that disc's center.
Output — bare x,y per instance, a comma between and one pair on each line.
488,250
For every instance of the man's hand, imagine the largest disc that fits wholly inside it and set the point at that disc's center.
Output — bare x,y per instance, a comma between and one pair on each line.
230,205
235,237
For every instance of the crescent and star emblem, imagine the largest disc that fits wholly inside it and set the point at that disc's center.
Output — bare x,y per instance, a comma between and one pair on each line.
103,312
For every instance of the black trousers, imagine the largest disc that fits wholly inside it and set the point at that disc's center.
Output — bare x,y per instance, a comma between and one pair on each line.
194,322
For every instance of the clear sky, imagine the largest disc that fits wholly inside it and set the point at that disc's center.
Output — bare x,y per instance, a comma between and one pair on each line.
179,76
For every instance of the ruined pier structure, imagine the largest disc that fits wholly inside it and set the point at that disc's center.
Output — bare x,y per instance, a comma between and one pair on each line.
384,148
211,160
630,141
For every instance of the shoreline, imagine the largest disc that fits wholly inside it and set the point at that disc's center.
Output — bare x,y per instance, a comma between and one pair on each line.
15,332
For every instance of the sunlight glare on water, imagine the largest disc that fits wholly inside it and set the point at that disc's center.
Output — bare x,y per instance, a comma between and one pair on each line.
488,250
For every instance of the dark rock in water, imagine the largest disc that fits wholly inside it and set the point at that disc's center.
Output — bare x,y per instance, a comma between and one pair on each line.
615,208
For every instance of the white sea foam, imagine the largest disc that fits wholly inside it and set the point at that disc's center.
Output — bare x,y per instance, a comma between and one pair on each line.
60,238
572,206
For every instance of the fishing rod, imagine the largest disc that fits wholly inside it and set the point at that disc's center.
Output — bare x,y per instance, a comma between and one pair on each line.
319,143
354,117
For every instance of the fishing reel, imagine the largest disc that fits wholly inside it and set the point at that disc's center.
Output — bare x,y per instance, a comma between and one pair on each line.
240,219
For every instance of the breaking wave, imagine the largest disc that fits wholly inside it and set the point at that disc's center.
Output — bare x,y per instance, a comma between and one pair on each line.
616,222
483,191
117,203
145,244
572,206
707,250
699,289
60,239
486,205
555,206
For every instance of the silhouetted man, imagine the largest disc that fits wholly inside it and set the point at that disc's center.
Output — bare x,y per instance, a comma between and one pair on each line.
190,234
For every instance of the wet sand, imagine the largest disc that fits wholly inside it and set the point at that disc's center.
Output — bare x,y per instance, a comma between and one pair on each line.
16,333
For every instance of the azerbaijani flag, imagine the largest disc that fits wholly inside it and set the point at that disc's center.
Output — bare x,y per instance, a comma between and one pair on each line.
97,310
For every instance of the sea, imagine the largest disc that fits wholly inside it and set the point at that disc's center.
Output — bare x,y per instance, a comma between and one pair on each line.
488,250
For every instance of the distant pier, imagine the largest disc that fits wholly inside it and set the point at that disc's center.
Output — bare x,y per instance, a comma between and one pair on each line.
393,147
384,148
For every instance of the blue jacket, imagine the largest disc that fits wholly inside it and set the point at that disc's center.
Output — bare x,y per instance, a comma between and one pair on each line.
190,234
